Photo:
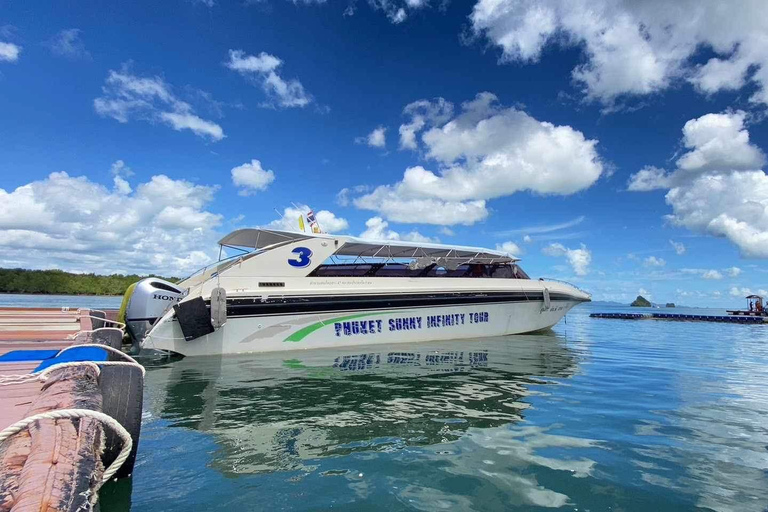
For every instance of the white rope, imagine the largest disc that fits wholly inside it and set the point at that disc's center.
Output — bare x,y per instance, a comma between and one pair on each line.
105,320
129,361
101,329
105,347
124,363
42,375
61,414
78,333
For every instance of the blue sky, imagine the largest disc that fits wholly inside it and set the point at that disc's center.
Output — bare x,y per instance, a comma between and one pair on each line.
619,147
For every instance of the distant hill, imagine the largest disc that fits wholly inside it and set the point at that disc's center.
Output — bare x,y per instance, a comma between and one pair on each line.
58,282
641,302
606,303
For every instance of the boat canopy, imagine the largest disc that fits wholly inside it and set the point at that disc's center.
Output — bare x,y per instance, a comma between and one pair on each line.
261,238
753,297
359,247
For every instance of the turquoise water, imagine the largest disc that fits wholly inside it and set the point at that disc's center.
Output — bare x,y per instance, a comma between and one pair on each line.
55,301
596,415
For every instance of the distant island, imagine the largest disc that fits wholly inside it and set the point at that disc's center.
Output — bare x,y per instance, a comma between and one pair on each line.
641,302
670,305
58,282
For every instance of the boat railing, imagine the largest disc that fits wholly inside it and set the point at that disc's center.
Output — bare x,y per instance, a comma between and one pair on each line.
565,282
206,268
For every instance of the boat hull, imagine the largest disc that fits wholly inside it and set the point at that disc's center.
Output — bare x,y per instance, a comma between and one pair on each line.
284,332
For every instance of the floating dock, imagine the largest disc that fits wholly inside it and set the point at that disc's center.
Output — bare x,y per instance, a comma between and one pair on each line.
683,317
70,407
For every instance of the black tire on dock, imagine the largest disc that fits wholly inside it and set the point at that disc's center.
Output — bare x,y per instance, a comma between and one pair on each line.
108,336
122,390
99,321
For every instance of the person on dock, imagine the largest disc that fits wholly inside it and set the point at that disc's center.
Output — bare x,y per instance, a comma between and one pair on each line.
751,306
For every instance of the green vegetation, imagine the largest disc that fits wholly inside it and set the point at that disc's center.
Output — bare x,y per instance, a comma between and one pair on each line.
641,302
58,282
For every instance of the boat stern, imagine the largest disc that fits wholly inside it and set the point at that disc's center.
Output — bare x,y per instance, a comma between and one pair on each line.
165,336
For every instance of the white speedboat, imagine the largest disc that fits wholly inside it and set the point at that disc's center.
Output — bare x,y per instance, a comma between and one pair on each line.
292,291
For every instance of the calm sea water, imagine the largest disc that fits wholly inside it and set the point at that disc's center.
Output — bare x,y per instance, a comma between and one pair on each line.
55,301
596,415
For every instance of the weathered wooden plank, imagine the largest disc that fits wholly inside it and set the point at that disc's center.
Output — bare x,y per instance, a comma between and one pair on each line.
55,464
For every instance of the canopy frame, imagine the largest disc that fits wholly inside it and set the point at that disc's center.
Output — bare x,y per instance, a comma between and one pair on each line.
265,239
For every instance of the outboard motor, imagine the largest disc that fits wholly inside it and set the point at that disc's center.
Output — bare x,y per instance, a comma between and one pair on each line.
143,303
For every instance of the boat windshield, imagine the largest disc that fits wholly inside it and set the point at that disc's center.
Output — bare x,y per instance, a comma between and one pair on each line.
214,268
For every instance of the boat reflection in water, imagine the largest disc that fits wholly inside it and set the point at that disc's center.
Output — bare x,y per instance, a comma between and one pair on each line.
282,412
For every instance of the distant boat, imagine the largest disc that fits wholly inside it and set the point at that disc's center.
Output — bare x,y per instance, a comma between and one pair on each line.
293,291
756,307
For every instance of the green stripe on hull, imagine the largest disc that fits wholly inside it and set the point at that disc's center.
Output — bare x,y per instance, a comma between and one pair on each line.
306,331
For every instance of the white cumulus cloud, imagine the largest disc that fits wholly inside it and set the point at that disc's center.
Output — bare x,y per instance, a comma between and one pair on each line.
712,274
76,224
376,139
636,47
733,271
397,11
343,196
718,187
653,261
189,121
648,178
486,151
377,228
510,248
718,142
127,96
69,44
9,52
251,177
263,69
579,259
395,205
679,247
422,113
328,221
120,171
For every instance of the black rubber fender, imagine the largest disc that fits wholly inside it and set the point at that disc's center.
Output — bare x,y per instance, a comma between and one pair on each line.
108,336
99,321
122,390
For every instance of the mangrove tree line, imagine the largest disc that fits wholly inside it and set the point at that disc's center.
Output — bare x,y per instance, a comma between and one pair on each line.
17,280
